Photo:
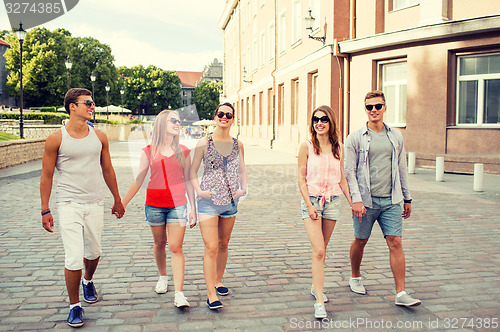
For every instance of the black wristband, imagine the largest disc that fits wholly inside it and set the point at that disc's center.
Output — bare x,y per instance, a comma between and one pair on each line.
45,212
408,201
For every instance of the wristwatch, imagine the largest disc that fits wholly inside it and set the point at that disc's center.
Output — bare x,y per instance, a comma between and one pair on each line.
407,201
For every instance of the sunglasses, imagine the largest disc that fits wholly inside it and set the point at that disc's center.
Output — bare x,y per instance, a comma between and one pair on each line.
88,103
378,107
228,115
323,119
175,121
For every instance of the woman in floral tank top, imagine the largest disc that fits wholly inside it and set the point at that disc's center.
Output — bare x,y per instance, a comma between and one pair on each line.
224,181
321,181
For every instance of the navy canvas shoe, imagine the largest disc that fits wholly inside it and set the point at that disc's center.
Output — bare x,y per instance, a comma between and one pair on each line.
214,305
75,318
221,290
89,293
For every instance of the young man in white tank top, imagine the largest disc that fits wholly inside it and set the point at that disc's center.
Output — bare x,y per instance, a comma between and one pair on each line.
79,152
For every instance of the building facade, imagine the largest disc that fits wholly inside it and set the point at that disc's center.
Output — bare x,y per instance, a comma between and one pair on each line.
213,72
189,81
436,60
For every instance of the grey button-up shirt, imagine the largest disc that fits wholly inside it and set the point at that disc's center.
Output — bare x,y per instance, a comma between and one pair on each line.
357,166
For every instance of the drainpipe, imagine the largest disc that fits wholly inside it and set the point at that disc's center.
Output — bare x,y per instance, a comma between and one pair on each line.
239,82
274,71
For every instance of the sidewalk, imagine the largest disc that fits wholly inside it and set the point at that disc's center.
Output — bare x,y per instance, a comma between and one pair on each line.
451,246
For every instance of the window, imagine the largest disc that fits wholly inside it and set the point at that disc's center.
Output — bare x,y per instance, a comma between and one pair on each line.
270,101
260,107
478,86
297,21
248,111
253,110
262,48
282,33
393,79
295,101
400,4
315,6
312,93
255,58
271,42
249,12
281,104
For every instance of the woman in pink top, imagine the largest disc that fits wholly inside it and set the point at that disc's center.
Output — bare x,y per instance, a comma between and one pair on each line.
321,181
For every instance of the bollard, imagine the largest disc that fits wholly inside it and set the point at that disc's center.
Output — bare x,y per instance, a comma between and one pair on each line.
478,177
440,169
411,162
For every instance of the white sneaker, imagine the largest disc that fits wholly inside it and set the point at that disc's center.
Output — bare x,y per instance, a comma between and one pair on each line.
180,300
357,286
319,310
313,293
407,301
162,285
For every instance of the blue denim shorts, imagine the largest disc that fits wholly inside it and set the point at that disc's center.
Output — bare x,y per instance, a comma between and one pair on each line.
158,216
388,215
206,206
330,210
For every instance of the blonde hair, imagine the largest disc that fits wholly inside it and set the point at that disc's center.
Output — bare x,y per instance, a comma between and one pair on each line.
158,141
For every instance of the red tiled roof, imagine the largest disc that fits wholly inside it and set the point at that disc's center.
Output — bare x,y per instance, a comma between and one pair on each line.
2,42
189,79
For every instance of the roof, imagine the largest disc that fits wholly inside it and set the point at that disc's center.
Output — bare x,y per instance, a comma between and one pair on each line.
3,42
189,79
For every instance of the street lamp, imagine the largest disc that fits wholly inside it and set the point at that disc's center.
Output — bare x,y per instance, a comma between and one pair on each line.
21,34
92,78
122,92
309,26
107,100
68,67
139,107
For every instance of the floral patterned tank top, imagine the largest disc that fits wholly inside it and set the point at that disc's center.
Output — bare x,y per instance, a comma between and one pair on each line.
221,174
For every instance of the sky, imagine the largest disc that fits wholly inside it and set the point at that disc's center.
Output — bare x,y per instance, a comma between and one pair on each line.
178,35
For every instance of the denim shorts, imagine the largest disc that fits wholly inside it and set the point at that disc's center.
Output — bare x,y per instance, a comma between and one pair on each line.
206,206
388,215
158,216
330,210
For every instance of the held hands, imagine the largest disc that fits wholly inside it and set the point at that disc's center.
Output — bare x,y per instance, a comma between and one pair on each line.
313,213
118,209
406,210
206,194
48,222
358,210
192,219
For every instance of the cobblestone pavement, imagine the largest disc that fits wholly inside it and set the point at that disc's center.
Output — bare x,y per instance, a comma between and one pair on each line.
451,246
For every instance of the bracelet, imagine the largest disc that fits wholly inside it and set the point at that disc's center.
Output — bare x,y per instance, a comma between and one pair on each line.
45,212
407,201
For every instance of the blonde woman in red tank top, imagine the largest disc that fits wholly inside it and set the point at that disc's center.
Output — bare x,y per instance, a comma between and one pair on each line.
321,181
166,203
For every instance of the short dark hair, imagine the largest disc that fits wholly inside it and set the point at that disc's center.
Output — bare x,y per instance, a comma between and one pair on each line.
72,96
225,104
375,94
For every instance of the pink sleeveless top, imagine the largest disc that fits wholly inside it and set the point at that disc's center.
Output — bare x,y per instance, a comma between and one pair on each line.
323,174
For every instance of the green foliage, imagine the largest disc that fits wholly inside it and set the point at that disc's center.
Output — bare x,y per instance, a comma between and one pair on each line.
135,121
153,85
48,109
45,74
104,121
8,137
206,98
48,118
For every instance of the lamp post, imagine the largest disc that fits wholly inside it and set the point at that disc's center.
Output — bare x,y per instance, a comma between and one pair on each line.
68,67
21,34
107,100
122,92
139,107
92,78
309,26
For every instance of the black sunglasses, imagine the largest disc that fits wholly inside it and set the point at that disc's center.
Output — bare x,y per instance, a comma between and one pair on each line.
175,121
88,103
378,107
323,119
228,115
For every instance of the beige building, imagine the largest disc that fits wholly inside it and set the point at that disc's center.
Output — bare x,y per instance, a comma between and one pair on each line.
438,61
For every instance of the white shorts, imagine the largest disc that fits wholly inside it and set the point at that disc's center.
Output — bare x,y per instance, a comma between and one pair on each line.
81,226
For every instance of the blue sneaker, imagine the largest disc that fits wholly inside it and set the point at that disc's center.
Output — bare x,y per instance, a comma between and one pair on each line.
221,290
75,318
214,305
89,292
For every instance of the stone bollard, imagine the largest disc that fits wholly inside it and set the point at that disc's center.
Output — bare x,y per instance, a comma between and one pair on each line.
439,169
478,177
411,162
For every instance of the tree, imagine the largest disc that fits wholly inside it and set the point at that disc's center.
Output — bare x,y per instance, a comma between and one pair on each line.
206,98
44,71
153,85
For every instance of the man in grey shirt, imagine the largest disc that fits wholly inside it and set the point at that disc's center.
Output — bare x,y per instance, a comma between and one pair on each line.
375,169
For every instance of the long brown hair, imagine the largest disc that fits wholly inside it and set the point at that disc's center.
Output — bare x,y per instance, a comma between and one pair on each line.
333,135
158,138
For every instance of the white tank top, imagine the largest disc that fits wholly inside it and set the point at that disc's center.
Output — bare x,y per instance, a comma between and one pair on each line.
79,166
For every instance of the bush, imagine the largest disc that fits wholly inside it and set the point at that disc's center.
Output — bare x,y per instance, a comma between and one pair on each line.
47,117
51,109
103,121
136,121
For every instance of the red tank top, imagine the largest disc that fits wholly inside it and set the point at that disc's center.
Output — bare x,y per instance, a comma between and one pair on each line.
166,185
